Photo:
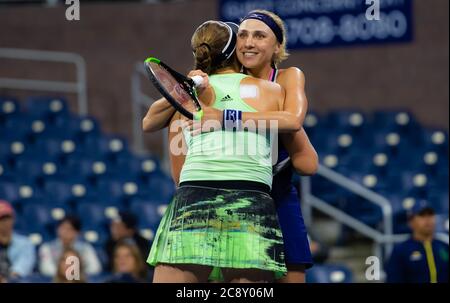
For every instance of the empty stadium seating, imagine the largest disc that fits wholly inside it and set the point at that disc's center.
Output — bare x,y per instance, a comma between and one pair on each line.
388,152
329,274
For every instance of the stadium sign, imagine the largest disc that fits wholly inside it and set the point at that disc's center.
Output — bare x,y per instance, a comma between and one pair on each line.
325,23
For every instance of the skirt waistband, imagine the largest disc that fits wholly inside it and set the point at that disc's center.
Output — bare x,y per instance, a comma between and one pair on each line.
234,184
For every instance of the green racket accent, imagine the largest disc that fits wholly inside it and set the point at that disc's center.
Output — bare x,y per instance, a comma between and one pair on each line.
198,115
151,59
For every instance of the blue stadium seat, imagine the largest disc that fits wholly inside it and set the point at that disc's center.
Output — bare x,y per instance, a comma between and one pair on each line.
82,127
311,124
392,143
148,214
415,183
6,172
143,167
10,150
341,142
9,107
442,223
9,191
329,274
47,107
117,188
92,215
336,162
432,163
35,169
351,121
97,237
17,127
90,168
108,147
363,210
399,121
386,168
33,129
38,218
438,199
400,204
66,193
371,181
356,161
159,187
436,140
5,151
328,191
18,192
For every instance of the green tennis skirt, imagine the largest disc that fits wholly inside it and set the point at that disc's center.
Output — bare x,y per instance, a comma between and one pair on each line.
222,228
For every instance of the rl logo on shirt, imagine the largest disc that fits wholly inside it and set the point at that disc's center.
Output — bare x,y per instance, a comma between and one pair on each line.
415,256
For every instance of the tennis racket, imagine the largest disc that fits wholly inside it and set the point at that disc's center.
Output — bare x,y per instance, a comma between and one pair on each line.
178,89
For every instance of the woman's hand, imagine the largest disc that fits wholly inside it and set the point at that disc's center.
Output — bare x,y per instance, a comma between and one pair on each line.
211,121
205,82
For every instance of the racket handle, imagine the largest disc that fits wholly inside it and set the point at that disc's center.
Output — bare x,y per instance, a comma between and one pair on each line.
198,80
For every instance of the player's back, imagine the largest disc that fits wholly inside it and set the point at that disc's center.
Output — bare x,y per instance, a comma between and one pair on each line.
234,155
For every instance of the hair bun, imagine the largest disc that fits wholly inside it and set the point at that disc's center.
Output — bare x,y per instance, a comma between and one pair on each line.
203,57
207,46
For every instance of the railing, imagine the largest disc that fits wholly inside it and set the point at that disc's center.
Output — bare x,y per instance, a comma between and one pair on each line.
78,87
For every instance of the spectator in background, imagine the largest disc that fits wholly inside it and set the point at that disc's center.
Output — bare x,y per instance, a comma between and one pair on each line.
420,259
66,273
68,232
128,264
124,227
17,253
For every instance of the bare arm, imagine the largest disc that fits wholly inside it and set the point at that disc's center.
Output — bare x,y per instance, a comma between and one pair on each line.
303,155
274,95
290,118
158,116
293,81
286,122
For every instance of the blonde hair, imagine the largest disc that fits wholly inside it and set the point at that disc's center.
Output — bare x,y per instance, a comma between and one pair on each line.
283,53
207,44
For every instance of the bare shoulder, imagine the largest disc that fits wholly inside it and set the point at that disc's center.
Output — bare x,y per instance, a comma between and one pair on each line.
266,86
291,74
